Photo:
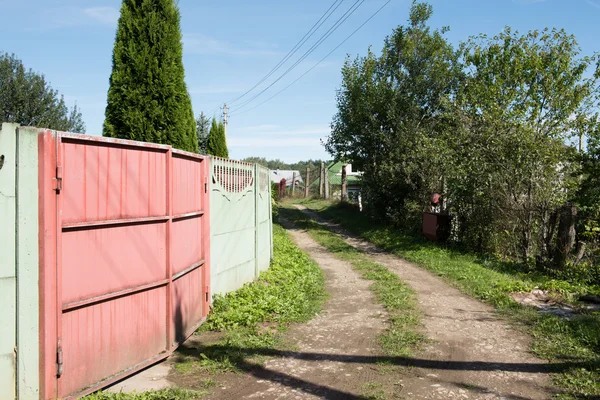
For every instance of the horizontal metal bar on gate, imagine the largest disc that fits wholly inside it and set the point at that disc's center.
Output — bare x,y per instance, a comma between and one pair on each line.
188,215
113,222
114,295
188,269
99,140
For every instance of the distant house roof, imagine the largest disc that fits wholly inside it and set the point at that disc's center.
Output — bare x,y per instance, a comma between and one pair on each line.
334,171
287,174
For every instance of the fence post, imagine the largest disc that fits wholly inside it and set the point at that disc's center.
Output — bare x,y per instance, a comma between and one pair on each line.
256,187
307,182
326,176
344,185
8,281
321,181
270,218
27,236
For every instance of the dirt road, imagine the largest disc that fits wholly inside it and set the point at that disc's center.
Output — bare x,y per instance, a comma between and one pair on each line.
474,353
335,352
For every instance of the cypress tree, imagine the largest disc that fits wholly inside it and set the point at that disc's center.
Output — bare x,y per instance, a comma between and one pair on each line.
202,130
223,139
217,144
147,97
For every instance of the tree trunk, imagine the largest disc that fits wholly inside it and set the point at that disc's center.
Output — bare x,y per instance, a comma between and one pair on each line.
344,185
566,235
580,252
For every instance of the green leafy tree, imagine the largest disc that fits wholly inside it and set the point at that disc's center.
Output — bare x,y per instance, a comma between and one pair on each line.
202,131
148,98
488,126
392,112
217,143
520,104
26,98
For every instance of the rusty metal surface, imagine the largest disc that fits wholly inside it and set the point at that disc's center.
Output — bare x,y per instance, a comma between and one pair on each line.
124,257
430,225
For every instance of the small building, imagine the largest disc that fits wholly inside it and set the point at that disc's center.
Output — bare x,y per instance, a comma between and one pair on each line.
334,175
287,174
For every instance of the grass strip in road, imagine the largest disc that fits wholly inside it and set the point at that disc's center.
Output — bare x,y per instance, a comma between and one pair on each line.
572,345
402,336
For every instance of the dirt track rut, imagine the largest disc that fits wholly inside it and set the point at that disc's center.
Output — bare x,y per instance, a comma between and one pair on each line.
334,349
473,354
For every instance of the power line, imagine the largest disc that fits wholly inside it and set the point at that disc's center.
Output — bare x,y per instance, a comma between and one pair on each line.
324,37
331,30
293,51
319,62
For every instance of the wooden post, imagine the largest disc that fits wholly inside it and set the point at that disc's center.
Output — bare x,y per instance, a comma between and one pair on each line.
321,181
307,182
326,176
344,185
293,184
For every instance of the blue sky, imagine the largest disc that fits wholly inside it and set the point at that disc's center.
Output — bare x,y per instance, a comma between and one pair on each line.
230,45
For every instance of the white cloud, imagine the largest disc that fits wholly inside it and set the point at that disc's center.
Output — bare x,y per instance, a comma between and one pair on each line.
105,15
276,130
203,44
270,143
258,128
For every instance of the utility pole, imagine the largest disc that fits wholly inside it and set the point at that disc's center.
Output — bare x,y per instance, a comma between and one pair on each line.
321,181
307,182
293,184
225,119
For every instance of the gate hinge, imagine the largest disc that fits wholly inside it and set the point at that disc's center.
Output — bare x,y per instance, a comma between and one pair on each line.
206,292
205,185
59,361
59,179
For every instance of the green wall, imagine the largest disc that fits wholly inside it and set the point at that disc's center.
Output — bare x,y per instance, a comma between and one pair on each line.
19,333
240,236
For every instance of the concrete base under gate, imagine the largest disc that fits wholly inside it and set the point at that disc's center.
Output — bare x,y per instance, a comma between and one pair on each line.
153,378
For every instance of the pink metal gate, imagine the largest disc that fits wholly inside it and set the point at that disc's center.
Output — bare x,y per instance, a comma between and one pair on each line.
124,257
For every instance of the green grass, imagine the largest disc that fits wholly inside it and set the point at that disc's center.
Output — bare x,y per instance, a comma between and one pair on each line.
166,394
254,317
291,290
402,336
573,345
373,391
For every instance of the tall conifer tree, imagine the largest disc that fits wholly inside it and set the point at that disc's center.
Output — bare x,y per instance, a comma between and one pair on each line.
147,97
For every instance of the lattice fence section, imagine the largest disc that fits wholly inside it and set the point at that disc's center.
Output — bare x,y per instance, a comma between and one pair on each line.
233,176
263,179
